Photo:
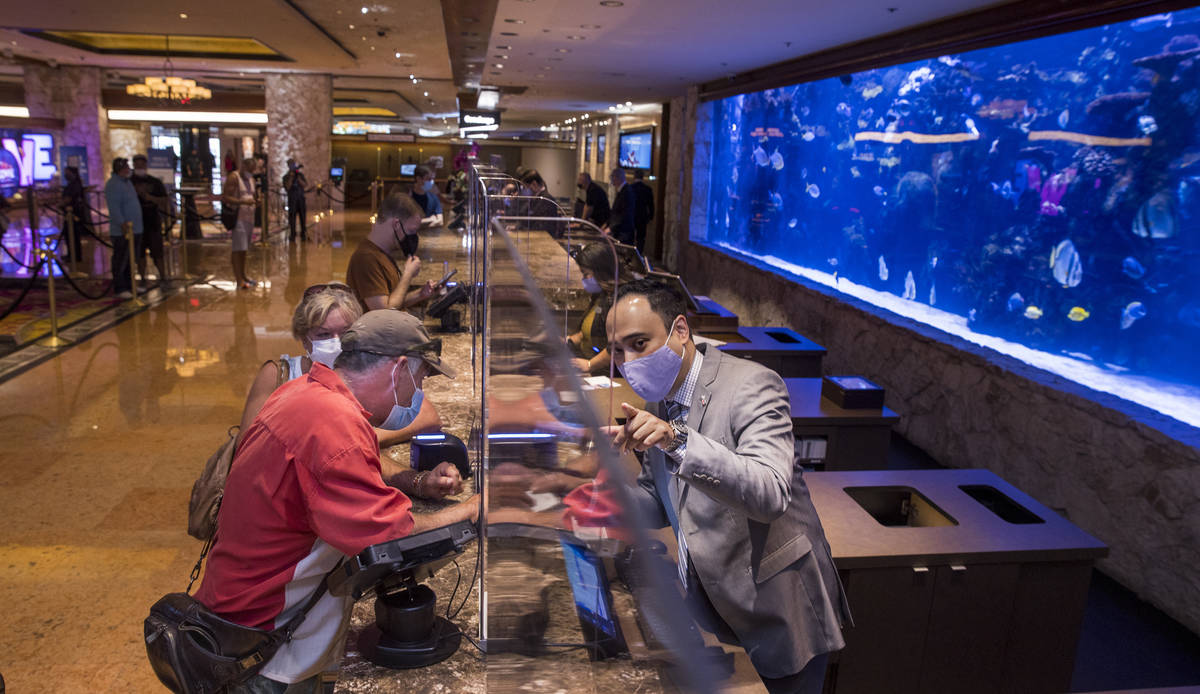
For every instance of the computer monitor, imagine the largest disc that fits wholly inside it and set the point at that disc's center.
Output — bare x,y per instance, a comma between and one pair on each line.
593,600
408,169
676,282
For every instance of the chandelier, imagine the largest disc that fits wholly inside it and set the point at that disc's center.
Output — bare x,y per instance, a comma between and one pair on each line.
169,87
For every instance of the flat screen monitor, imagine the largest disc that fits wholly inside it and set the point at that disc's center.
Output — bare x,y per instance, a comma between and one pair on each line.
600,141
593,601
408,169
636,149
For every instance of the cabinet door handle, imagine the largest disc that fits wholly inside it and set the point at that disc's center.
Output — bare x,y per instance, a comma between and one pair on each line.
958,568
920,570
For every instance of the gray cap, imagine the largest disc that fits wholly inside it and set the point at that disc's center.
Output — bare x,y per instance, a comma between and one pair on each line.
393,333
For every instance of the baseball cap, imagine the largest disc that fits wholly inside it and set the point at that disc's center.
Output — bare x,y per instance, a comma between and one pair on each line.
393,333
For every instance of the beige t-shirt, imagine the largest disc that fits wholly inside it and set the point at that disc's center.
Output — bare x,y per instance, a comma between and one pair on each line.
371,272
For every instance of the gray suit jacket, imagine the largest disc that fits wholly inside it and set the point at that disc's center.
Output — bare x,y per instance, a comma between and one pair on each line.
752,532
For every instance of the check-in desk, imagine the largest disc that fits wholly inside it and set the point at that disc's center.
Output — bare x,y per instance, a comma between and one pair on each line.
711,317
852,439
780,349
958,582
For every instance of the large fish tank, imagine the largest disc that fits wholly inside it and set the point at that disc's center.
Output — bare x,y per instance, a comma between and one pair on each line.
1040,198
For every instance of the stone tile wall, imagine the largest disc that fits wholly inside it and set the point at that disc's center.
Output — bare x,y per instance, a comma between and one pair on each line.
72,94
300,127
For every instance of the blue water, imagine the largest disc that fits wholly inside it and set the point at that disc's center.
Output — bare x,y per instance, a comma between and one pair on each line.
1043,194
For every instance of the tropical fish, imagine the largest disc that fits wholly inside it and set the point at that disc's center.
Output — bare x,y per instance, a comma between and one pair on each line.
855,172
776,199
1033,312
1131,267
1064,118
832,261
879,191
910,286
889,161
792,223
808,136
1015,302
1157,219
883,271
776,160
813,191
976,98
843,109
915,80
1078,314
933,295
804,173
760,156
872,91
734,175
1006,191
1147,125
971,315
1133,311
1066,265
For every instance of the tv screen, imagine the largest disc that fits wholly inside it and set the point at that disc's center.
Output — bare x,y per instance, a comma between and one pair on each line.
636,149
408,169
600,148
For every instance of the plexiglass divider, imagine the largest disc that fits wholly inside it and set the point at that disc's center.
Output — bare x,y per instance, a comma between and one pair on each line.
560,519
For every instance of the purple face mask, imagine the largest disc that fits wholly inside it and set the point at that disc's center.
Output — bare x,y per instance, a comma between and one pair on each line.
652,376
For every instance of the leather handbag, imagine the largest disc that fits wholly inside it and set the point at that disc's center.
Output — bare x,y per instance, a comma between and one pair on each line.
193,650
209,487
229,211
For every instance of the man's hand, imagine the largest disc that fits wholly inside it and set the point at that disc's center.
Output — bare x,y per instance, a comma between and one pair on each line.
412,266
440,482
583,365
427,290
464,511
642,431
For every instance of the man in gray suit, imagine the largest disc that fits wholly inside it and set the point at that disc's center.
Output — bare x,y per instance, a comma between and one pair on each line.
718,467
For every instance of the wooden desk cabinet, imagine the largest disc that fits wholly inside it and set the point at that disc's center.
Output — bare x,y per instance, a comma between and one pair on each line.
855,439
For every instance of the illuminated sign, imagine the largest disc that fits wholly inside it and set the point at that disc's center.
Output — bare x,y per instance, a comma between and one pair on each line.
32,155
469,119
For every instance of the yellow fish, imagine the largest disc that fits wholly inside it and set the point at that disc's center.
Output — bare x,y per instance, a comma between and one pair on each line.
1078,314
1033,312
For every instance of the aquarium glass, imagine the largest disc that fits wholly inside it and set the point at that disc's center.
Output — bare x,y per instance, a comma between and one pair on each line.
1041,198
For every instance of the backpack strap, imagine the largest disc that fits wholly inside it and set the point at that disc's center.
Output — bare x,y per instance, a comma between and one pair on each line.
285,370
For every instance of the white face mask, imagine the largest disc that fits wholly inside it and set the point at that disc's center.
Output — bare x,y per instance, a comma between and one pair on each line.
326,351
591,285
401,417
652,376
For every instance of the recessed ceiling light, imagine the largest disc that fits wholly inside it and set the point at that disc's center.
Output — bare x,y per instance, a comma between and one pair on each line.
611,3
589,26
503,48
563,50
397,54
509,33
183,15
514,21
498,66
426,93
412,77
366,10
501,57
575,37
364,38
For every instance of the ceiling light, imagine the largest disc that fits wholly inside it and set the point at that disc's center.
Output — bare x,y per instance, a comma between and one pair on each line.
575,37
351,26
509,33
183,15
488,99
629,103
14,111
426,93
365,10
563,50
515,21
611,3
478,136
498,66
501,57
412,77
589,26
397,54
503,48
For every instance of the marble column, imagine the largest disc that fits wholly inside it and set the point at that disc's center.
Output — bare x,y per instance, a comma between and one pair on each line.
677,209
72,94
300,127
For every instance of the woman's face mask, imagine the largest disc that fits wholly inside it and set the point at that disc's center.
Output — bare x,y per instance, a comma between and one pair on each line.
652,375
326,351
591,285
401,417
427,186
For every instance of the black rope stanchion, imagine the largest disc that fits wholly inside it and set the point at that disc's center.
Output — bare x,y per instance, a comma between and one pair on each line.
79,290
29,285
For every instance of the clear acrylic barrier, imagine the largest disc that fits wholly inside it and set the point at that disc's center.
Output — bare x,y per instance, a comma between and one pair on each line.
560,530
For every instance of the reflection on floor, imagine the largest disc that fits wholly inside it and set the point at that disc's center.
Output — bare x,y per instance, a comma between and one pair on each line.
103,441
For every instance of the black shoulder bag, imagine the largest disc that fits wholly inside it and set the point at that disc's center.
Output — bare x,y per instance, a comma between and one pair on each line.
195,651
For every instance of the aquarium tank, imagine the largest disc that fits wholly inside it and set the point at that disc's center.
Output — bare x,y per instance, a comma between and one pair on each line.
1040,198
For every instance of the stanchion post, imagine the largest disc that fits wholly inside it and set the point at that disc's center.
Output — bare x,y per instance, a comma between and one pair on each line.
135,300
183,273
72,245
266,219
53,340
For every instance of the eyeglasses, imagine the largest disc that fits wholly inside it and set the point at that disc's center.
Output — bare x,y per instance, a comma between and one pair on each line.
318,288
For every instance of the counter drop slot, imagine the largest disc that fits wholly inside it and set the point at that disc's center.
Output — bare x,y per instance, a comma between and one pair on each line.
897,506
1000,504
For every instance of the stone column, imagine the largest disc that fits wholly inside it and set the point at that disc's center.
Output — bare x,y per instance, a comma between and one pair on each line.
300,127
677,189
72,94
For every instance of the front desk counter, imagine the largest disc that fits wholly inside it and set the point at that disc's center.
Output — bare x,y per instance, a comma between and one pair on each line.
532,564
854,439
783,350
958,582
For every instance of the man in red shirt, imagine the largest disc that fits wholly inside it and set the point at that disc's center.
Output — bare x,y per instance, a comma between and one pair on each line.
305,489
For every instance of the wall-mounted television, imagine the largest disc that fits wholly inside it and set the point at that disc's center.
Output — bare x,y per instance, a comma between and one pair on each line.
600,148
636,149
408,169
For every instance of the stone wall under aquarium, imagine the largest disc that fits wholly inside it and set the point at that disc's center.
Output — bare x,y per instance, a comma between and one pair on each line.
1040,198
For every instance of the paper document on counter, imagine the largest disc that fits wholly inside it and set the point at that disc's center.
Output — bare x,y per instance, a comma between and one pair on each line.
594,382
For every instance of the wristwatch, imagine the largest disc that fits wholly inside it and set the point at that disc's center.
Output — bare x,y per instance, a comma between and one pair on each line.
681,435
